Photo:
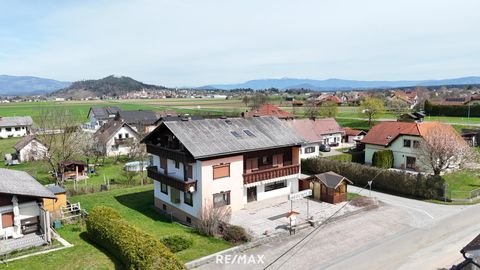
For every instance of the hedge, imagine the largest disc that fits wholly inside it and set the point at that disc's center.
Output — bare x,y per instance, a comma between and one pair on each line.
451,110
389,181
383,159
177,242
133,247
352,156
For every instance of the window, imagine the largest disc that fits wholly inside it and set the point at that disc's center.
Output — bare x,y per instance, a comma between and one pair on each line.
164,188
188,198
266,160
126,135
8,129
220,171
310,149
249,133
120,136
407,143
236,134
221,199
416,144
189,171
189,220
17,129
174,195
163,163
177,164
275,185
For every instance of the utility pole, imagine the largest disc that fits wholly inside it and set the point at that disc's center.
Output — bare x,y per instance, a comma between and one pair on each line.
370,186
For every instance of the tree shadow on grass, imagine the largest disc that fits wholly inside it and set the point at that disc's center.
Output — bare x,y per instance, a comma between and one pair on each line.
116,262
142,202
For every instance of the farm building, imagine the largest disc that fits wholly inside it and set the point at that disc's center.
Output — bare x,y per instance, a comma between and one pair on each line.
15,126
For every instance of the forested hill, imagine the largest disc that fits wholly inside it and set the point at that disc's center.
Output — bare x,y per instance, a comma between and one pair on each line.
108,86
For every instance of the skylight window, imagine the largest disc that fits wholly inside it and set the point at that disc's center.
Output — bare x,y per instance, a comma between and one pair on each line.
249,133
236,134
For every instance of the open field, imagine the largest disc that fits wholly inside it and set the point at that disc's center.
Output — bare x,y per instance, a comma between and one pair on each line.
460,183
134,204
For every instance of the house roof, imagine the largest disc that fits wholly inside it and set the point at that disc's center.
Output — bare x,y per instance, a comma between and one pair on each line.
451,101
330,179
56,189
104,112
15,121
268,110
313,130
24,142
385,133
353,132
217,137
473,245
138,117
21,183
107,131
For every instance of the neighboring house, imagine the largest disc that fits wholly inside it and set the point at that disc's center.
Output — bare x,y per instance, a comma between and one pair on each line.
353,135
15,126
98,116
404,139
409,97
221,162
30,148
269,110
115,138
412,117
21,205
315,133
140,120
328,98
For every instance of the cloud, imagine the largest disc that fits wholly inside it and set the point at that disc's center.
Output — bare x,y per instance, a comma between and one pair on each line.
179,43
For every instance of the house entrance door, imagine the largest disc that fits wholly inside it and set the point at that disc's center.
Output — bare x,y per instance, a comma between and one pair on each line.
251,194
411,163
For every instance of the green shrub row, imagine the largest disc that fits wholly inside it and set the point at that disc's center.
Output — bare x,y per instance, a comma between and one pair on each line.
451,110
358,157
383,159
177,242
133,247
390,181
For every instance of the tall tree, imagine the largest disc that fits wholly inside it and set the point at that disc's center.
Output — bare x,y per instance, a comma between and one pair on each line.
61,134
258,100
371,107
311,109
442,147
328,109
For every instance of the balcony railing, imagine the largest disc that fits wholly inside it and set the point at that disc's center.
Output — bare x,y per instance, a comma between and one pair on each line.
169,153
153,173
256,176
123,141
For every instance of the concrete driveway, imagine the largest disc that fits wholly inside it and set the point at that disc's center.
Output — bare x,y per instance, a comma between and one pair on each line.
401,234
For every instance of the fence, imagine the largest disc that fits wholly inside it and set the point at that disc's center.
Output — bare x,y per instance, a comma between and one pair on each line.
464,195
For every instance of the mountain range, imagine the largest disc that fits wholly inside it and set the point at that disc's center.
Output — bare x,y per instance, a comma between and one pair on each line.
28,85
338,84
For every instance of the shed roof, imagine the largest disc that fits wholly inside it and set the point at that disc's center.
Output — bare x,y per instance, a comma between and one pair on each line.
16,121
314,130
138,117
330,179
216,137
56,189
21,183
104,112
269,110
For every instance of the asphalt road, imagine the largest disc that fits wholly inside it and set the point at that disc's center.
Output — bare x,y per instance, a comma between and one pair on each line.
401,234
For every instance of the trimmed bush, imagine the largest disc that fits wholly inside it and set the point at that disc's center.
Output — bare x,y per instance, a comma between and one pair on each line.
133,247
383,159
235,234
342,157
394,182
177,243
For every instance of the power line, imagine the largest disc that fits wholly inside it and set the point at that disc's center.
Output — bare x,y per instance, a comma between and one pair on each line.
312,232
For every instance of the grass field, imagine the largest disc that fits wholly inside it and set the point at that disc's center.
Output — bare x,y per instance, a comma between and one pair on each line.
134,204
460,183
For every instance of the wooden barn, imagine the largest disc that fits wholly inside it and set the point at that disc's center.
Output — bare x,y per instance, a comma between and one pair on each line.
328,187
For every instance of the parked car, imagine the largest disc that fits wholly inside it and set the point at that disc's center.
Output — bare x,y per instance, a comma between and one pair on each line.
324,148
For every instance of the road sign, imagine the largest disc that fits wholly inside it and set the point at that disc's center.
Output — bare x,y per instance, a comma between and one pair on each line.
299,195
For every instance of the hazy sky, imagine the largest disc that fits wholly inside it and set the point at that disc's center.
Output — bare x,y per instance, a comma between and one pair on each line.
198,42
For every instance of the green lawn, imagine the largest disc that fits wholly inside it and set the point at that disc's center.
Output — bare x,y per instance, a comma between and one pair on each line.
461,182
135,205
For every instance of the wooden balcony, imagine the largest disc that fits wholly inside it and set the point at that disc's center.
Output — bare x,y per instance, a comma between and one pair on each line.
123,141
169,153
153,173
261,175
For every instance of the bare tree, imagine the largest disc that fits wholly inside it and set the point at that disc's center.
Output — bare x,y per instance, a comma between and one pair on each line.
211,218
138,151
442,148
397,106
311,109
328,109
61,134
92,149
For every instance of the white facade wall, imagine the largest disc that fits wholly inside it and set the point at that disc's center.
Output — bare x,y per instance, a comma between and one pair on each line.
304,155
332,138
112,150
8,132
400,153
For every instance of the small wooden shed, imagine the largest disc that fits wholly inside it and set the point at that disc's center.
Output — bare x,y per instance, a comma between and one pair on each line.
329,187
75,169
54,206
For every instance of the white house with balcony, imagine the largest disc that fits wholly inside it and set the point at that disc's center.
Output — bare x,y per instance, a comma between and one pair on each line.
115,138
15,126
221,163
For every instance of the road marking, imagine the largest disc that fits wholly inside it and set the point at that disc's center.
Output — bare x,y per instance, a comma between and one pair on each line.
413,208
